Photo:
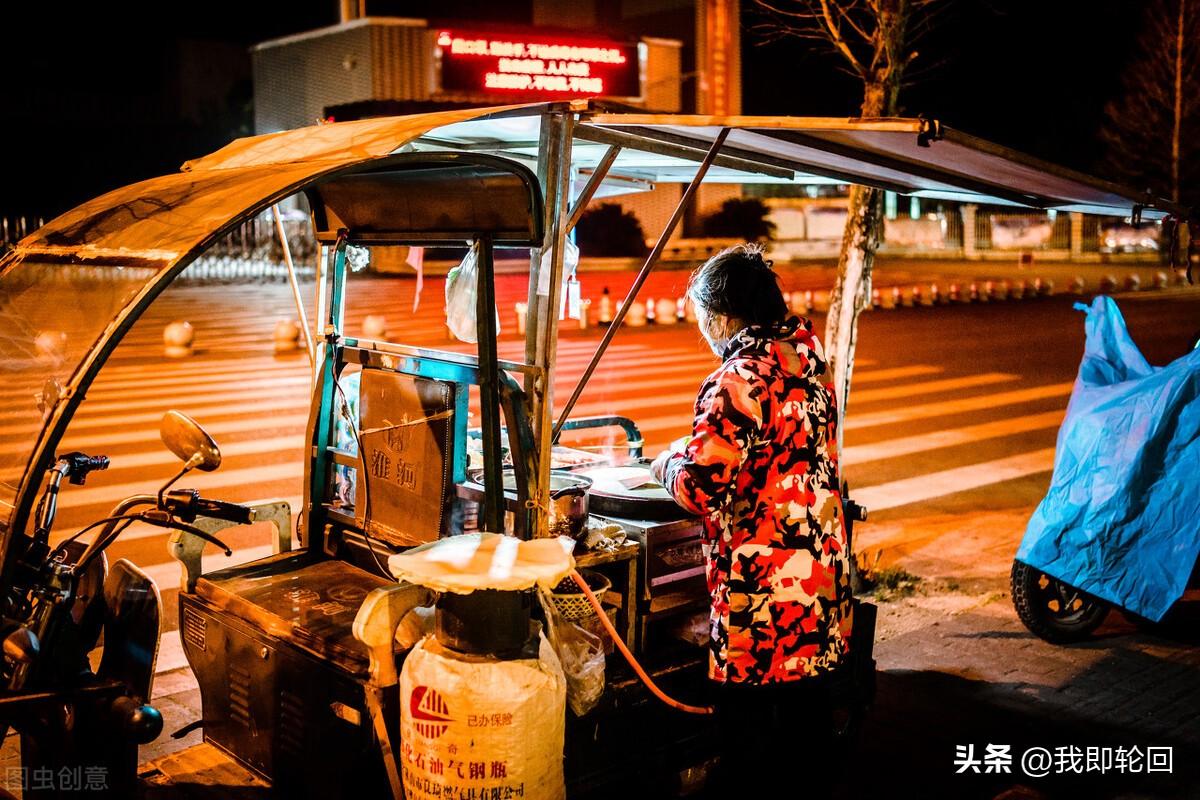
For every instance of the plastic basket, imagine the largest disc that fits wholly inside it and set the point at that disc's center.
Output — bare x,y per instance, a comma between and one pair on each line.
574,606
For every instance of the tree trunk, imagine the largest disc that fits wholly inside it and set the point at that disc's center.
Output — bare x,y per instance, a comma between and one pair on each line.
1178,110
852,292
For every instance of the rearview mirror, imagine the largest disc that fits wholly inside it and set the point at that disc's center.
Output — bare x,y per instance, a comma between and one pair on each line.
184,437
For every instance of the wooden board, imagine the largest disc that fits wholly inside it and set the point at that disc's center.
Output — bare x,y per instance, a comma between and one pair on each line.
200,771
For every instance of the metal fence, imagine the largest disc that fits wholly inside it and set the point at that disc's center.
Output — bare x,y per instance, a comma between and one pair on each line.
250,251
14,228
952,224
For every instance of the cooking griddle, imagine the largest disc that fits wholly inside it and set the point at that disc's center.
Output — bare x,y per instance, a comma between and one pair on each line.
630,492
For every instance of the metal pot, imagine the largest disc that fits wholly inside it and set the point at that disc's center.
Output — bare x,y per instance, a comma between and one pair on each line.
568,506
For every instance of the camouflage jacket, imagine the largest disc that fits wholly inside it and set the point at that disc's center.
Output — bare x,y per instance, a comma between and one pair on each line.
761,465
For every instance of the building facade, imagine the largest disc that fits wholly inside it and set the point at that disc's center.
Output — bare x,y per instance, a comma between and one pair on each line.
669,56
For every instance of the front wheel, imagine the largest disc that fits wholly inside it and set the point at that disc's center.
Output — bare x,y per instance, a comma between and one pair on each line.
1051,609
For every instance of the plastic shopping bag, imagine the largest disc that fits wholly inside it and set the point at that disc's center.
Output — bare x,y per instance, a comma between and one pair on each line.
570,302
581,654
462,291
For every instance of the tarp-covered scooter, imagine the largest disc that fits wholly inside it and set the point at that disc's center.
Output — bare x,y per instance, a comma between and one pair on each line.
1120,525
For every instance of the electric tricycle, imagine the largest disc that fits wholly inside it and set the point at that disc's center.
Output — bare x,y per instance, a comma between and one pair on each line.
298,654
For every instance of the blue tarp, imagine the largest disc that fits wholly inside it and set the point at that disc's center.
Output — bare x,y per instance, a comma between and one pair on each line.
1122,518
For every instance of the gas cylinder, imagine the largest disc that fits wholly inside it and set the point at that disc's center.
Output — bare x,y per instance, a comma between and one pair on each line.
483,723
482,699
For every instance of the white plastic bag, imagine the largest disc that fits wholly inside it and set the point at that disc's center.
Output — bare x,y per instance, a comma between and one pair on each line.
581,654
570,302
462,291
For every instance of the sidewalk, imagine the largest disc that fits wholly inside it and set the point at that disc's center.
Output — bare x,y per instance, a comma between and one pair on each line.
957,668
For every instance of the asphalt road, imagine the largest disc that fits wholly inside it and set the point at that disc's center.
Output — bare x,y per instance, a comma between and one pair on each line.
954,409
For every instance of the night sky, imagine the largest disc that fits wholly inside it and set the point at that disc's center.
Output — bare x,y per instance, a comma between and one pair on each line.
98,95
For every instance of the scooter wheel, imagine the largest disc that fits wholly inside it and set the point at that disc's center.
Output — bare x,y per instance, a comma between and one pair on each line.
1053,610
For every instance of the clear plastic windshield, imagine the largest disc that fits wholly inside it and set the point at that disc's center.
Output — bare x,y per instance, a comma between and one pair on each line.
50,316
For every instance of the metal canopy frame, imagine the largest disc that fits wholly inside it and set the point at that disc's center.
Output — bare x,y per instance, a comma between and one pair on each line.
917,157
166,222
624,147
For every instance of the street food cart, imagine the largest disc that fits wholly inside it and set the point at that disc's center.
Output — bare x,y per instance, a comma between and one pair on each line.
296,654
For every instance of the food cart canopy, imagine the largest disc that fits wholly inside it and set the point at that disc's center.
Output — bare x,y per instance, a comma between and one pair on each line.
163,219
915,157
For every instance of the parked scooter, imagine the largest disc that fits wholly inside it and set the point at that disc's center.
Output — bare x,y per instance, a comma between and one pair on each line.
79,725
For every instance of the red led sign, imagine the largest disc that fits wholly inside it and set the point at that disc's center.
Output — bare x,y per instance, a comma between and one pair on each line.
502,63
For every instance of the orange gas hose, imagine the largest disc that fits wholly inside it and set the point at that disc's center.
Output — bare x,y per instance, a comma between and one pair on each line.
620,643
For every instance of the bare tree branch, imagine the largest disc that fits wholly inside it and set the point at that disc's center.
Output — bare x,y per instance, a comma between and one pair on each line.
1152,128
835,37
873,42
849,19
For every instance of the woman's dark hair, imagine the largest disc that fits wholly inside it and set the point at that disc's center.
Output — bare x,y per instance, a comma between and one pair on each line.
739,283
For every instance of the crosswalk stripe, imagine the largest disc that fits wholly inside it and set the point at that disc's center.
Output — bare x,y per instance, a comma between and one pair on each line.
290,388
933,485
855,454
160,456
209,482
197,366
951,437
130,436
625,378
257,402
191,386
931,387
251,447
139,530
225,370
175,384
960,406
168,574
266,407
650,425
687,397
894,373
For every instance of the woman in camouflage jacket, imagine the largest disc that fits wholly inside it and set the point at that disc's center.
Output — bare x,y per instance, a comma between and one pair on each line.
761,467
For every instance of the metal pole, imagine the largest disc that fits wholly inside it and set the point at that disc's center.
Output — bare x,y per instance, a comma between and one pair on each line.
489,390
322,298
641,279
545,285
593,184
295,284
325,399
